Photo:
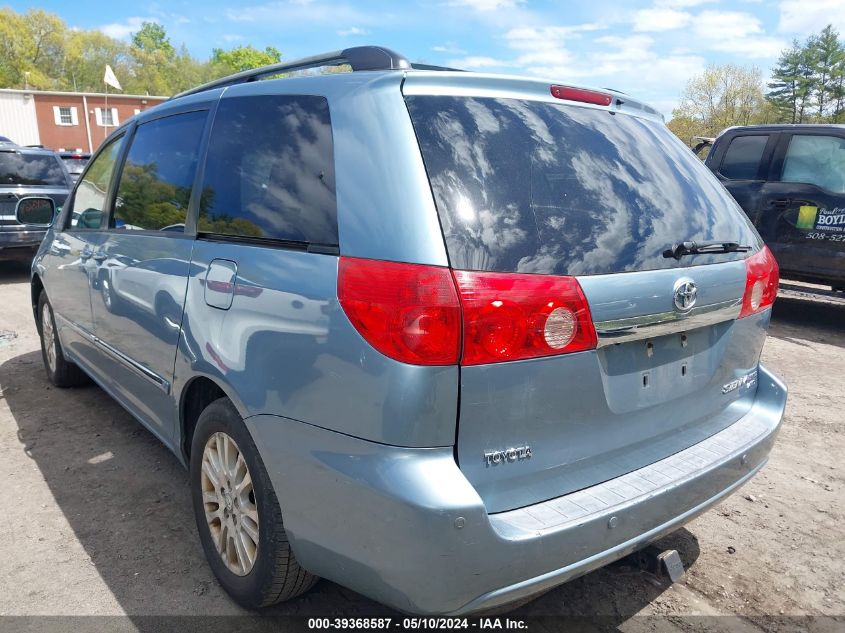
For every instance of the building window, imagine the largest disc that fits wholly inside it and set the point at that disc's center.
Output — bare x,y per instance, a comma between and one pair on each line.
106,117
65,115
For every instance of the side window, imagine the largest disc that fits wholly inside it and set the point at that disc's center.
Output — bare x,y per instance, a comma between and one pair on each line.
158,174
270,170
742,160
816,160
89,202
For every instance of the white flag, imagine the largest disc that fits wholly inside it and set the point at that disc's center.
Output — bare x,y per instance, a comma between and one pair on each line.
110,79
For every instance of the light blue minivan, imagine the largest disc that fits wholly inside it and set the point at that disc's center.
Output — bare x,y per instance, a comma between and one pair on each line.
447,339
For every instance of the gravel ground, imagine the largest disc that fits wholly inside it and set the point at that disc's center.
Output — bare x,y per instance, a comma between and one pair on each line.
96,519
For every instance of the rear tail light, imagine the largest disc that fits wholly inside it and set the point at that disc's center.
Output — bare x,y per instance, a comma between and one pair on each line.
516,316
580,94
408,312
761,282
420,314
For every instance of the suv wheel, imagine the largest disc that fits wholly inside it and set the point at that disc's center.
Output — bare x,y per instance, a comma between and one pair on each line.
60,372
238,515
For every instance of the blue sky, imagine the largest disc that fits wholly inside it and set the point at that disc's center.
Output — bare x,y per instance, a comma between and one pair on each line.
648,48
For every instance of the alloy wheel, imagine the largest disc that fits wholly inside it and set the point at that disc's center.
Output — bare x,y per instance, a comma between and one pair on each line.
48,335
229,502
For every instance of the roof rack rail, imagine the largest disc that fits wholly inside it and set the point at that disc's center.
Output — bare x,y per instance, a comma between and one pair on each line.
358,57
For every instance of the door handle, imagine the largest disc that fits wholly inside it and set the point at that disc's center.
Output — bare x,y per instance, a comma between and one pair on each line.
100,256
780,203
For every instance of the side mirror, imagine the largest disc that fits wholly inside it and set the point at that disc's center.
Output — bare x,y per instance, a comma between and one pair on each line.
90,219
35,211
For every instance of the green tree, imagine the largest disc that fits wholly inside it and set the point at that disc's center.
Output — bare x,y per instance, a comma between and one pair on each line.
243,58
86,56
38,49
826,56
791,83
31,48
721,96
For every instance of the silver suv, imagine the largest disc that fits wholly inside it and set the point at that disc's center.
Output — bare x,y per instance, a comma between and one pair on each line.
445,338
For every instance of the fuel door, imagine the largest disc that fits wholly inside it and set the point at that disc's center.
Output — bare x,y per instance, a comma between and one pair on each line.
220,283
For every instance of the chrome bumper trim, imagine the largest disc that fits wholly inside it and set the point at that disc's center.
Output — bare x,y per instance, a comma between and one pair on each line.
662,323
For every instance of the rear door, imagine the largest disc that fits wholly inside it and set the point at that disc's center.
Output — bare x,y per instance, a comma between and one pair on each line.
741,163
543,188
143,261
69,267
802,216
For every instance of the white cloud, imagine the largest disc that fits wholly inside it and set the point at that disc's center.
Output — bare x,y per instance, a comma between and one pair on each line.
353,30
122,30
485,5
480,61
675,4
543,51
735,32
450,48
807,16
302,12
660,19
232,37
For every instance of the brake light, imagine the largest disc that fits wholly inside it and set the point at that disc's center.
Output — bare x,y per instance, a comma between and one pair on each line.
580,94
761,282
408,312
517,316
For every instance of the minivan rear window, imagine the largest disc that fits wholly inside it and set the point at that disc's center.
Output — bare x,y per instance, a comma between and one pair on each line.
535,187
31,169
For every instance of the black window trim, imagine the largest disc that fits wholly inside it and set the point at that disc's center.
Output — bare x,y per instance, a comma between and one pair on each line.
765,156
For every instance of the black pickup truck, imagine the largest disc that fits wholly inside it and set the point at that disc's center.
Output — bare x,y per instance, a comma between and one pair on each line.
790,180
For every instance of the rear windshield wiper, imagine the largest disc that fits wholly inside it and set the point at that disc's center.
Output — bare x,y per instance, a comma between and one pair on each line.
697,248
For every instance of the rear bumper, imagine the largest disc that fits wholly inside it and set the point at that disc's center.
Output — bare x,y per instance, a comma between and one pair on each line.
405,527
19,243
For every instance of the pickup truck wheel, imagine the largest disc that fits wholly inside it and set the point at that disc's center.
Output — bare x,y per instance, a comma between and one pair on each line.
60,371
238,515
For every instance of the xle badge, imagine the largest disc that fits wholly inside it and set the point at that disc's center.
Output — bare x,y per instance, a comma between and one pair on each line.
513,454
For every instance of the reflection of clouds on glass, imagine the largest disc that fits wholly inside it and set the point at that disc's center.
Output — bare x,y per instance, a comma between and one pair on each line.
270,164
464,209
30,169
566,190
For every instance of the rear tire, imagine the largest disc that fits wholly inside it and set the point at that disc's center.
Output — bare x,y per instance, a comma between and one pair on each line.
233,500
60,371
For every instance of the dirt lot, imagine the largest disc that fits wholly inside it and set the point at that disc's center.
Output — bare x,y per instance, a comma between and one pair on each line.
96,518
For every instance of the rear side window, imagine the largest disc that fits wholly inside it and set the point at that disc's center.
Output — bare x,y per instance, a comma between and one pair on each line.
89,201
158,174
270,170
816,160
742,160
526,186
31,169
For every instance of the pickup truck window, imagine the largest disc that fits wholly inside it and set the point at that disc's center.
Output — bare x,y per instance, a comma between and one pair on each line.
816,160
742,160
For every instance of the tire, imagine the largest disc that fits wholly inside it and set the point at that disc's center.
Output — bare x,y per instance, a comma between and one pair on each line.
60,371
273,575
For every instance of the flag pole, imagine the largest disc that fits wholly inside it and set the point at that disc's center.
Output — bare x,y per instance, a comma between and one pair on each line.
106,109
